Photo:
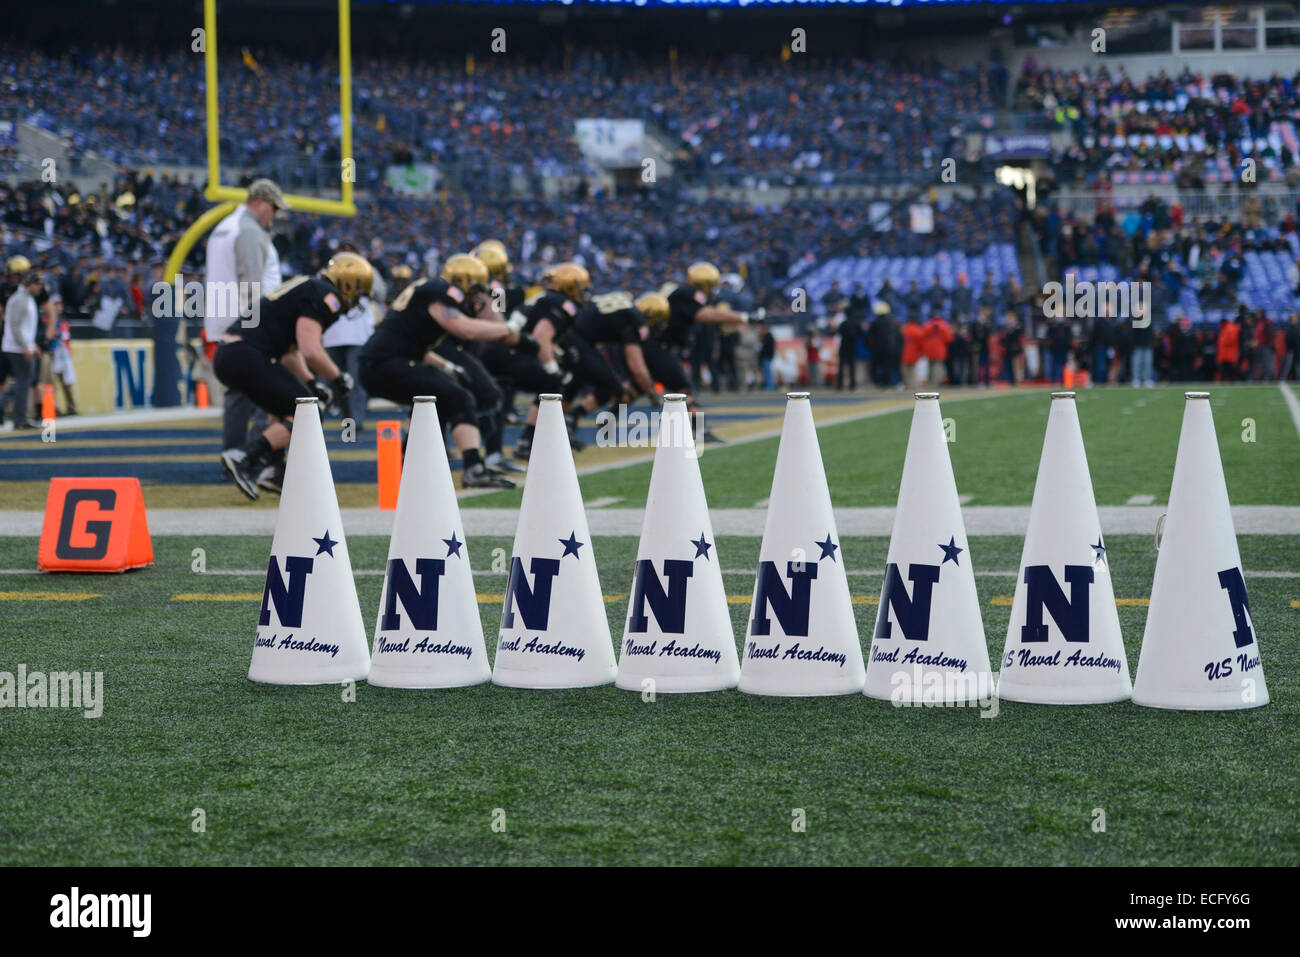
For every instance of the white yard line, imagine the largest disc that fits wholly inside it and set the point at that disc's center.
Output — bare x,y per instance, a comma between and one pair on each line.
1140,500
1292,403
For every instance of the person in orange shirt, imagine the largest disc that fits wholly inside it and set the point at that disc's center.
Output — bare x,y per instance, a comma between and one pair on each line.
913,336
935,337
1228,351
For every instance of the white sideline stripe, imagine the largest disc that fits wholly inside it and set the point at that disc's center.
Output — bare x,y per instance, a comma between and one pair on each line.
1292,403
1140,500
603,501
1010,520
122,420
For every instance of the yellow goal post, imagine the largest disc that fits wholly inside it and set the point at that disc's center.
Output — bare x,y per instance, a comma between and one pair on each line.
227,197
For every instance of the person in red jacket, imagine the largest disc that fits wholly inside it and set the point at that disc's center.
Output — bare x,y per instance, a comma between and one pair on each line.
1228,349
935,337
913,334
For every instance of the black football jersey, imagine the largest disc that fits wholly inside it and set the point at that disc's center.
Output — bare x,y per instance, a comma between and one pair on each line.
611,319
408,331
556,307
276,331
683,303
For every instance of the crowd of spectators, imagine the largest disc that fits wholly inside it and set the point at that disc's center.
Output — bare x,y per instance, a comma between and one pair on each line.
1195,265
813,120
634,242
1194,127
866,342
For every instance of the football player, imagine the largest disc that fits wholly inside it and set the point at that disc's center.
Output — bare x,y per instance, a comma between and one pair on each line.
399,361
695,301
274,362
563,352
613,320
513,369
687,304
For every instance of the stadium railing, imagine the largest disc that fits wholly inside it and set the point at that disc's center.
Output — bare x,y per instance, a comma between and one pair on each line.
1274,203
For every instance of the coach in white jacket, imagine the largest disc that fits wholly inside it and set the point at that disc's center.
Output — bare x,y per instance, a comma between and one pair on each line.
19,346
242,266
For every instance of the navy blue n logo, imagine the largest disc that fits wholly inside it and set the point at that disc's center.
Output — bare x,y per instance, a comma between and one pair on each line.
912,612
1230,579
1044,591
287,599
668,606
534,602
421,603
790,608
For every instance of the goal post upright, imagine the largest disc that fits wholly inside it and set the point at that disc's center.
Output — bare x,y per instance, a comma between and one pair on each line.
227,198
344,206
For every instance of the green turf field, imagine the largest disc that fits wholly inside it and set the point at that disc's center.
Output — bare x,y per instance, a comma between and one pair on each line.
298,776
1131,436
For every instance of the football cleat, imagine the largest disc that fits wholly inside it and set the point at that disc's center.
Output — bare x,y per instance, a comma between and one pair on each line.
713,438
271,478
523,449
499,463
575,443
236,465
480,476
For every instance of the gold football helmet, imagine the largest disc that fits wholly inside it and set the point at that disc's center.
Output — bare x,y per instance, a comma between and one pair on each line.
465,272
19,264
402,272
352,276
571,280
492,253
703,276
654,307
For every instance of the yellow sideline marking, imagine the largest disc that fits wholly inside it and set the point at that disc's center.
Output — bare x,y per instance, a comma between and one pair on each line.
1295,603
212,596
1003,600
46,595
